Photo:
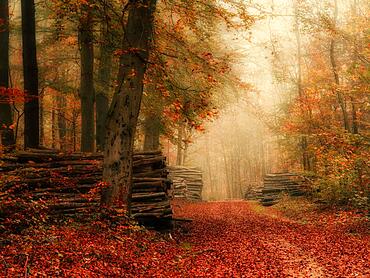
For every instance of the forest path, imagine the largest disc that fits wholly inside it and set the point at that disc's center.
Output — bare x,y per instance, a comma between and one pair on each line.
243,239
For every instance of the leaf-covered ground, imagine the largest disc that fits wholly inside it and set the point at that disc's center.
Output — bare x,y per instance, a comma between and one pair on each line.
225,239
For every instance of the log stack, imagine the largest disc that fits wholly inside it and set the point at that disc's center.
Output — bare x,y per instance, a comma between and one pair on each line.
277,183
187,182
68,183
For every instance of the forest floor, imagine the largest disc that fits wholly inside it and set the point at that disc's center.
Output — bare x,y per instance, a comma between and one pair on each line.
225,239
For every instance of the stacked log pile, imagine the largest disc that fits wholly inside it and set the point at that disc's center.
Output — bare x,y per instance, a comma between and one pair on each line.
277,183
68,182
187,182
253,192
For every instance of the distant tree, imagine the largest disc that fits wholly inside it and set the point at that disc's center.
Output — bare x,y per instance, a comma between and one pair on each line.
6,119
30,74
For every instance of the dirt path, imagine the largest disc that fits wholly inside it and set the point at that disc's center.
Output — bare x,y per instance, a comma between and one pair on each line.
240,239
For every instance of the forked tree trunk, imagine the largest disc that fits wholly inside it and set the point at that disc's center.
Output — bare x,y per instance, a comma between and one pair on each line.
124,110
87,85
30,74
152,131
6,119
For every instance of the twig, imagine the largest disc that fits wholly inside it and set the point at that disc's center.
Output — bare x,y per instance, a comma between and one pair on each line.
25,267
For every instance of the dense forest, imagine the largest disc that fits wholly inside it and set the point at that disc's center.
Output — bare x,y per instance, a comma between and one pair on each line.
184,138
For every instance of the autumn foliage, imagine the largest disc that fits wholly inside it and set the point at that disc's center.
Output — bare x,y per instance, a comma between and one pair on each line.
225,239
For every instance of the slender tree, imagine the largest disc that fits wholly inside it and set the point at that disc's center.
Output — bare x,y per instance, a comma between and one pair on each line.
180,138
6,119
30,74
87,81
124,110
334,66
304,140
103,86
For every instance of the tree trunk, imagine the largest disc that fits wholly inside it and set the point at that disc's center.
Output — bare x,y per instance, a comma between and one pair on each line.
42,129
209,168
53,126
87,85
124,110
180,136
304,140
30,74
6,118
334,66
186,135
104,79
152,130
355,129
62,127
74,129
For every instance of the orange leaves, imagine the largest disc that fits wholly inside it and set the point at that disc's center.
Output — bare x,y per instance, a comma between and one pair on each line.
71,40
12,95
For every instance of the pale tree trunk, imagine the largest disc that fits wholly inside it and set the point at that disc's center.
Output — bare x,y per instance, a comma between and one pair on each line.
104,81
227,172
124,111
180,136
87,83
152,131
6,118
208,166
334,66
30,74
187,135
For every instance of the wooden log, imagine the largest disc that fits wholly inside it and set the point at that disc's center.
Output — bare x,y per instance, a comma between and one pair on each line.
139,196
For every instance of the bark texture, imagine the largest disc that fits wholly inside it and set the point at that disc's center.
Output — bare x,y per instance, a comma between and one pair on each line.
87,85
152,130
30,74
124,110
104,80
6,119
